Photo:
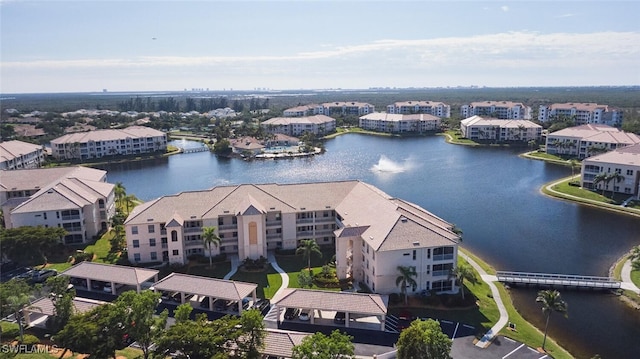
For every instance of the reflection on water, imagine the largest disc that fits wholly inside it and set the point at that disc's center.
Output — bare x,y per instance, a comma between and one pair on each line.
491,193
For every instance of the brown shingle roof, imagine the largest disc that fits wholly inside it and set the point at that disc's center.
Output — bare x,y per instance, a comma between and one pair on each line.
111,273
210,287
361,303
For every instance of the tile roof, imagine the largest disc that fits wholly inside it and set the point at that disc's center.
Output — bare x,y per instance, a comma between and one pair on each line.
361,303
111,273
317,119
210,287
280,343
629,155
507,104
578,106
490,121
12,149
418,103
41,177
109,135
397,117
69,193
598,133
81,305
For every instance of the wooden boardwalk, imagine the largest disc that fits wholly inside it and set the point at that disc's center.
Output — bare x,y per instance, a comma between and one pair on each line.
557,280
193,150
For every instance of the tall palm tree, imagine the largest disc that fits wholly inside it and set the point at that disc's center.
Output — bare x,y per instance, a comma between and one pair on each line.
616,178
462,273
551,302
307,248
600,178
210,238
17,304
129,201
406,279
120,192
573,163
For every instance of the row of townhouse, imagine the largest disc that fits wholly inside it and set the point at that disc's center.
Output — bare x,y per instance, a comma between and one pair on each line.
399,123
331,108
625,161
296,126
581,113
20,155
77,199
101,143
373,233
480,128
587,140
439,109
504,110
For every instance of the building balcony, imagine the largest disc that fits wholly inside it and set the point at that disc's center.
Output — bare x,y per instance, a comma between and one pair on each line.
69,218
440,273
274,236
304,220
227,226
274,223
191,244
443,257
192,230
304,233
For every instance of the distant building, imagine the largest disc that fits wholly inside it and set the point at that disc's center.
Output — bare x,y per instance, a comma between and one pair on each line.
304,110
77,199
493,129
624,160
296,126
438,109
20,155
581,113
503,110
102,143
588,140
399,123
347,108
246,145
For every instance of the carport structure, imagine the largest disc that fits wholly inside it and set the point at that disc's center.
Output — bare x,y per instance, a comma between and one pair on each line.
37,313
207,287
112,274
352,304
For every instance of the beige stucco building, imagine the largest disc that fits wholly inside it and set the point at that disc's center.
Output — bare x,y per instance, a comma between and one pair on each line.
480,128
399,123
20,155
625,161
588,140
373,233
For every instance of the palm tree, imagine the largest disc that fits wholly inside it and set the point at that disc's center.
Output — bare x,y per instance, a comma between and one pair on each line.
129,201
573,163
120,192
308,247
17,303
616,178
462,273
210,238
406,279
551,302
635,253
600,177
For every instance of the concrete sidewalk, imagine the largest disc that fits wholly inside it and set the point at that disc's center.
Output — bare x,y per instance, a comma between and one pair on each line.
504,317
626,278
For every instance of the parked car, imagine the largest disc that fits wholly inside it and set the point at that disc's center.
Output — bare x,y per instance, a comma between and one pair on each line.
39,276
339,318
291,313
304,315
404,320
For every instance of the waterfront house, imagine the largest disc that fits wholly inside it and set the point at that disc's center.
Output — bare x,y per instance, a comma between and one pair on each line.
373,233
399,123
77,199
588,140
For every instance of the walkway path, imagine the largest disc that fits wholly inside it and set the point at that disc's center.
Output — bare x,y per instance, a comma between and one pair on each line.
235,262
626,278
285,277
504,316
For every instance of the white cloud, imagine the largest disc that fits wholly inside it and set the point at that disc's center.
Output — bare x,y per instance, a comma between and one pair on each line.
504,8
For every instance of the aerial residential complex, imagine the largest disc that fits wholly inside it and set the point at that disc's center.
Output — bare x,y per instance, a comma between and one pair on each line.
399,123
77,199
373,232
439,109
504,110
625,161
582,113
480,128
586,140
20,155
101,143
296,126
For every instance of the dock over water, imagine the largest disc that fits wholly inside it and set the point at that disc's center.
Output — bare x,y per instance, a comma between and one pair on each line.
557,280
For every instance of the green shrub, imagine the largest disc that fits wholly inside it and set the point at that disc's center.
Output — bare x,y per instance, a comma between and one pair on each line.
29,339
9,330
82,256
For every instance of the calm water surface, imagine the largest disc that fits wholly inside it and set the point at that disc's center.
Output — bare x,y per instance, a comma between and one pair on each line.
491,193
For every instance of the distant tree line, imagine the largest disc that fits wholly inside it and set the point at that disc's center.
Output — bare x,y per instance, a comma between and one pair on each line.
188,104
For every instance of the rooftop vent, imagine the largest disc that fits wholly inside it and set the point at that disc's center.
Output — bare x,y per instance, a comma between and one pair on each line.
416,243
403,219
225,211
149,219
193,217
272,208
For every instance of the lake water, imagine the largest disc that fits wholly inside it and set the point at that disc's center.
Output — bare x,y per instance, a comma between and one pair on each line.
491,193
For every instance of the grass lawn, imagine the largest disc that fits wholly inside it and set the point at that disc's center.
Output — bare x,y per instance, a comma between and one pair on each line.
219,270
545,156
580,192
453,136
129,353
268,281
293,264
635,277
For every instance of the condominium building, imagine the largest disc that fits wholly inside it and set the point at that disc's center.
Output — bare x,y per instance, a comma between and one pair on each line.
438,109
77,199
296,126
493,129
347,108
373,233
20,155
625,161
504,110
100,143
587,140
399,123
581,113
304,110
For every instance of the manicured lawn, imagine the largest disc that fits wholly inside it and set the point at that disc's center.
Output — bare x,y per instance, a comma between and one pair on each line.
101,250
219,270
546,156
635,277
454,137
293,264
268,281
580,192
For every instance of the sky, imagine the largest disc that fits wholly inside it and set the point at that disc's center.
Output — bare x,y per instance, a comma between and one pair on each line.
137,45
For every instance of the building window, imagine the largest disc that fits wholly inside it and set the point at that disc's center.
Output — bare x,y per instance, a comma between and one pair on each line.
429,253
174,236
154,256
629,172
152,242
414,254
176,252
134,230
45,215
151,228
136,243
136,257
